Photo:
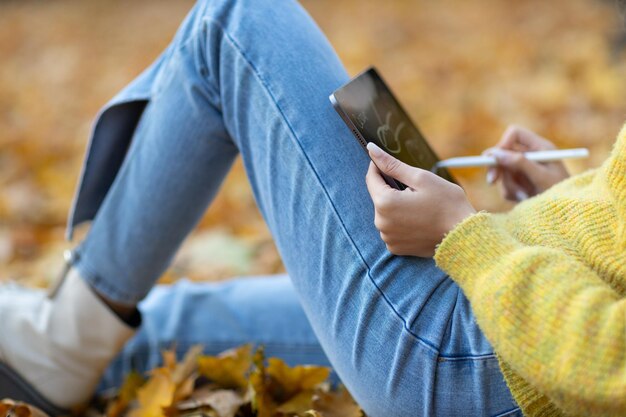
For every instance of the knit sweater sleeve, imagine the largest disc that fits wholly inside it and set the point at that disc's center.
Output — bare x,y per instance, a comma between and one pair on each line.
548,315
615,168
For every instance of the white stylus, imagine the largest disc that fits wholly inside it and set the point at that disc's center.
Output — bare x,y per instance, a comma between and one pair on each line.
537,156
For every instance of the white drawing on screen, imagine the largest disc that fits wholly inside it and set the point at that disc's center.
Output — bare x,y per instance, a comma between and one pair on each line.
361,119
389,141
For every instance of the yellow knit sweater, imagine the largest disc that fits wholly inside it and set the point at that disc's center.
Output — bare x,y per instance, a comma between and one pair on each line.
547,282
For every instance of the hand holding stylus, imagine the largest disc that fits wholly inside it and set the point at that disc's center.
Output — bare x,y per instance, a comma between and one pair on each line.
490,160
519,177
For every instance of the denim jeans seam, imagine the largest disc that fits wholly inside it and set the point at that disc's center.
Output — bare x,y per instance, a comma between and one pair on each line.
505,413
266,87
411,323
446,358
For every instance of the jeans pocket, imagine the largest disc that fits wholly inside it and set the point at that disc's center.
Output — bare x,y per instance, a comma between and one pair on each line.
472,386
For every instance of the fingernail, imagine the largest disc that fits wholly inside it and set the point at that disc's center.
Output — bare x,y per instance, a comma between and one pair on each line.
491,176
521,195
499,154
374,150
502,157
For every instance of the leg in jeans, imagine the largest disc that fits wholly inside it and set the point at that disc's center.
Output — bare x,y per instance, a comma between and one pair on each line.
219,316
255,76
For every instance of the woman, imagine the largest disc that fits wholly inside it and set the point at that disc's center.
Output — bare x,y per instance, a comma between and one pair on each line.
254,78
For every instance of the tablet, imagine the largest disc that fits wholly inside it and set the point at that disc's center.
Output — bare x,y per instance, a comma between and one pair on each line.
373,114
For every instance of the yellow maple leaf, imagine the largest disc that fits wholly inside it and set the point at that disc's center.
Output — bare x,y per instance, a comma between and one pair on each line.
127,393
229,369
156,394
293,380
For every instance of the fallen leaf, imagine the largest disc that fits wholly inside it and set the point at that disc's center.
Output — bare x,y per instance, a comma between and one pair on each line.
156,394
127,393
262,401
169,358
336,404
289,381
10,408
184,389
185,373
297,404
279,388
229,369
224,403
188,365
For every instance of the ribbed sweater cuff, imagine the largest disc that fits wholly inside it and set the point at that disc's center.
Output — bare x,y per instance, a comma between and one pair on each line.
472,245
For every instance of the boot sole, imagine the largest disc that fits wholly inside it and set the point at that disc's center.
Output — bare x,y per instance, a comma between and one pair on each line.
13,386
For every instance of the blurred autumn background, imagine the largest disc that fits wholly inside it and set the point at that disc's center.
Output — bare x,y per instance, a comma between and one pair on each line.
464,70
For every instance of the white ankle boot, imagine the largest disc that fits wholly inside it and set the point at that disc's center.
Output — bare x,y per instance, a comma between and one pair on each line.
56,347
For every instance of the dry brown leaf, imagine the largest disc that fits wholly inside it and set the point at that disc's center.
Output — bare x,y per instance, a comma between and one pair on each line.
155,395
188,365
223,403
205,412
336,404
10,408
185,373
229,369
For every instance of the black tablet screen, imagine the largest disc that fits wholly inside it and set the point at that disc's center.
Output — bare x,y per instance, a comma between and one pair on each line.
378,116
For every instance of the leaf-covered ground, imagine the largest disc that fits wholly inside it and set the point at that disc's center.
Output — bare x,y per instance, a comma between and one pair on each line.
464,70
237,383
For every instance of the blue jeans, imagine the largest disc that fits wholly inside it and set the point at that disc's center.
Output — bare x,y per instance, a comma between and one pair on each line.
252,77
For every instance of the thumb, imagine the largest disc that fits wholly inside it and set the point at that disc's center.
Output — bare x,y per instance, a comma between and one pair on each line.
391,166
